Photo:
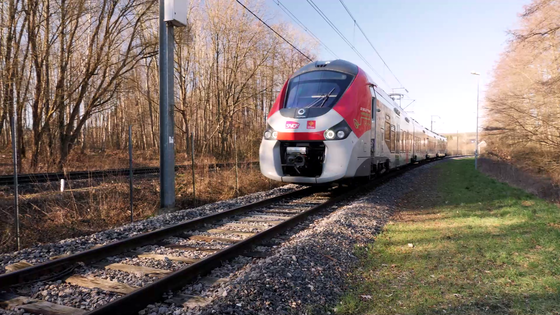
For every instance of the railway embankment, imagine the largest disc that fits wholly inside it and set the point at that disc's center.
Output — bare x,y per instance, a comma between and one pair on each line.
461,243
308,272
42,253
302,271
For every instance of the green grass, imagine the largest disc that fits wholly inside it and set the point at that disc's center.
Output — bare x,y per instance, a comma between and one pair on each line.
483,248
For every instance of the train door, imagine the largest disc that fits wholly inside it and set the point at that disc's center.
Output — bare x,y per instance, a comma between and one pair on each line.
398,144
413,139
373,122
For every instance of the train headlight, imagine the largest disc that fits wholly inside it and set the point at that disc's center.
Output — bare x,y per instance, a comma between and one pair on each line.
270,134
338,132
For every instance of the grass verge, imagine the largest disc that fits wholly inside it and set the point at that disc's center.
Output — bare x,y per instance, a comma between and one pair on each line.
465,244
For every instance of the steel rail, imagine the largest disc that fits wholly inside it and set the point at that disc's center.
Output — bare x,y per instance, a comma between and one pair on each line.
8,180
35,272
137,300
140,298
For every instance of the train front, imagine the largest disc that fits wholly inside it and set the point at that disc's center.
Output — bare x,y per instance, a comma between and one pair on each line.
316,125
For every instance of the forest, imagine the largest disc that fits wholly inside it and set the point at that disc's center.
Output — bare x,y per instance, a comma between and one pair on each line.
522,106
74,74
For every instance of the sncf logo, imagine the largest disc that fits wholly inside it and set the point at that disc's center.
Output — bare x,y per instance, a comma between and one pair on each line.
292,125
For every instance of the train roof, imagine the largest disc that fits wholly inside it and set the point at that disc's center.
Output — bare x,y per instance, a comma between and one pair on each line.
334,65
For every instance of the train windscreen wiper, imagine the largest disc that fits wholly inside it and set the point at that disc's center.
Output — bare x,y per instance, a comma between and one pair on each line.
327,97
323,98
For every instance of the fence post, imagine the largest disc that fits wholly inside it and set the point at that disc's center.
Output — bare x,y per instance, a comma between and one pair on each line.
236,168
130,172
192,167
16,192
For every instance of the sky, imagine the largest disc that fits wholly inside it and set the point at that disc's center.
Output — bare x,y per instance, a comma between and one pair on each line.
430,45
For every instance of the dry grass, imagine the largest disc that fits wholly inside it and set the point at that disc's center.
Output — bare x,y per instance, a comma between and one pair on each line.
528,179
109,159
49,216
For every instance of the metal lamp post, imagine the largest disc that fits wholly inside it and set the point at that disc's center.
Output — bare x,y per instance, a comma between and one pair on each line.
477,99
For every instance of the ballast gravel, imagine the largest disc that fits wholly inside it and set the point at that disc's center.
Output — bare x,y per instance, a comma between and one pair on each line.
304,274
42,253
307,273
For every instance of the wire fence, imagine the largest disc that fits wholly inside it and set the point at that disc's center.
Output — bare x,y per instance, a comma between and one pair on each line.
74,203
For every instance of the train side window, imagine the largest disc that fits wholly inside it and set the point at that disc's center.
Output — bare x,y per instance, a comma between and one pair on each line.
393,139
398,139
388,134
409,143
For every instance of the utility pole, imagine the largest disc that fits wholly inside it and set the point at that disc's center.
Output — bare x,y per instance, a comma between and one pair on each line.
457,142
477,97
171,13
432,121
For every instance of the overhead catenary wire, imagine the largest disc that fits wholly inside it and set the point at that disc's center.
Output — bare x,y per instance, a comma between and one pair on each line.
331,24
370,43
275,32
300,23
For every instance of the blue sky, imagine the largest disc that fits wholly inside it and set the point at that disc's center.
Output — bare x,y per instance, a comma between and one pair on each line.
430,45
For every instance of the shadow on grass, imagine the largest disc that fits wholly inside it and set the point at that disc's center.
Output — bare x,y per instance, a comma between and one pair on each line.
501,305
466,244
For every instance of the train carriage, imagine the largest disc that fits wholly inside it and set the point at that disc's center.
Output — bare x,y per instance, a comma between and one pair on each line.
330,122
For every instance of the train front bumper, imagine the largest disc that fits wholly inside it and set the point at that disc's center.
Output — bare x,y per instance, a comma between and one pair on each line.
336,163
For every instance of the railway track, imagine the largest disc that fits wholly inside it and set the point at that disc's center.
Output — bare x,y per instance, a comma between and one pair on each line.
189,250
8,180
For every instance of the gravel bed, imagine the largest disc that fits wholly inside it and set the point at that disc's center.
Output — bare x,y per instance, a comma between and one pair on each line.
192,243
41,253
166,264
258,214
255,227
307,273
70,295
160,250
132,279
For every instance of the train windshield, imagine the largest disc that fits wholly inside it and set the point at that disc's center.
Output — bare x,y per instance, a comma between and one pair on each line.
316,89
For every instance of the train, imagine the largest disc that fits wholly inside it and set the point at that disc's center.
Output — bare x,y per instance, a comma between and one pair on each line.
331,123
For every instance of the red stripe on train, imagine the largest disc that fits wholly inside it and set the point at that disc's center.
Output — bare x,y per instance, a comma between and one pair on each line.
298,136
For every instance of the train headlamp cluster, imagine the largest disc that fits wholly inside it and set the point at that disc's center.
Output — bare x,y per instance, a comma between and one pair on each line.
338,132
270,134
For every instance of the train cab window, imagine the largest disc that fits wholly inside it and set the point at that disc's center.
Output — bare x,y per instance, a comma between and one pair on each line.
321,88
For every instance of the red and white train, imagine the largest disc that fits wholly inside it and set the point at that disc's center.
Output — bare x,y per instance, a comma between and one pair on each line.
331,122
